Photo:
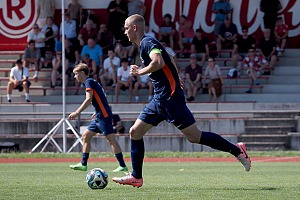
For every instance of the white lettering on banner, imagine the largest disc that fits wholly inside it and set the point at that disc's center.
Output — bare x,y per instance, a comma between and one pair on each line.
17,17
294,24
244,12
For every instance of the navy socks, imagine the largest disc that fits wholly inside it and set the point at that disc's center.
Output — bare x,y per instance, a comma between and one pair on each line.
217,142
85,157
137,157
120,159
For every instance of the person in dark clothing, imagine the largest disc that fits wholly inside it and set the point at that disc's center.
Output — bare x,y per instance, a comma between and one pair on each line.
117,10
270,9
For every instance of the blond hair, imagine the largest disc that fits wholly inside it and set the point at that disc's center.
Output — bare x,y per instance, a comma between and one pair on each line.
81,67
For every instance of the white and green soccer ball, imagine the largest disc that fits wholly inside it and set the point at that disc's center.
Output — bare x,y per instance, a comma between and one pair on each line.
97,178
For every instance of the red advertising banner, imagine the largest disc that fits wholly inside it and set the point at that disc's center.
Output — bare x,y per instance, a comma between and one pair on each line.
18,16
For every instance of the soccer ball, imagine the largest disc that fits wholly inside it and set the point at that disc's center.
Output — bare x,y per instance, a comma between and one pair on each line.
97,178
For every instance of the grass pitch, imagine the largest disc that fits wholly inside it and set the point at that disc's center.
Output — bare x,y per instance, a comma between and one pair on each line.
201,180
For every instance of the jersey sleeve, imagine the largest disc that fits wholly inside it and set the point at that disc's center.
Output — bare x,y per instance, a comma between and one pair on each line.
88,85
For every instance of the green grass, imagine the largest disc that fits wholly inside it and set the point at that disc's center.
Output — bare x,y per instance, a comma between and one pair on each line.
203,180
150,154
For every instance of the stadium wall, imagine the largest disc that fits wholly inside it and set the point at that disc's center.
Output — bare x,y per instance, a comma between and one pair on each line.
18,16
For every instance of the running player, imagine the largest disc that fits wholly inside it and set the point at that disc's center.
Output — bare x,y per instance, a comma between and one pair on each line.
167,104
102,119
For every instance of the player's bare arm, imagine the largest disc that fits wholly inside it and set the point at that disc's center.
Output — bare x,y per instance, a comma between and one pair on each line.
83,106
156,64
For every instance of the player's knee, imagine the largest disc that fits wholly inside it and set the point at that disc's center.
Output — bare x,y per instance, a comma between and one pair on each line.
133,133
86,137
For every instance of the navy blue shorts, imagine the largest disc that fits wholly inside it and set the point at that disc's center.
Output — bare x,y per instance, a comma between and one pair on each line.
103,126
173,110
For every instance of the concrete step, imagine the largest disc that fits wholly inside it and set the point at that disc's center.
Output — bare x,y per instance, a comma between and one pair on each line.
270,122
278,115
287,70
281,88
37,97
291,53
290,61
263,98
284,79
267,146
258,130
263,138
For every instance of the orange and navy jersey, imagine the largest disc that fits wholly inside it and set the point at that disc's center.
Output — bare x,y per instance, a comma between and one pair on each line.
99,99
165,80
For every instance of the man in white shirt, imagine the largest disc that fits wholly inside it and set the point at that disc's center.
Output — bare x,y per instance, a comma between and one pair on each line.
18,79
70,31
108,76
124,79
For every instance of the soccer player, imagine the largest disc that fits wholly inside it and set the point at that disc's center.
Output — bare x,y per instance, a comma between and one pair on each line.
167,104
102,119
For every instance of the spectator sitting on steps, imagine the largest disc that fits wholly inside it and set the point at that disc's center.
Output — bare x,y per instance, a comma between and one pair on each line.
18,79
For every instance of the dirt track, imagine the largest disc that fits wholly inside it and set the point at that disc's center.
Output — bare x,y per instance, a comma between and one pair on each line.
205,159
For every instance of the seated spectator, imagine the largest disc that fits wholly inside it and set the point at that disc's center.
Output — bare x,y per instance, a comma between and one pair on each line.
95,52
108,76
70,30
124,80
32,56
267,48
18,79
167,30
57,72
216,80
87,32
92,70
143,82
253,65
222,9
75,9
136,7
105,38
227,35
39,38
185,33
281,34
242,45
118,125
148,32
51,31
200,46
193,73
